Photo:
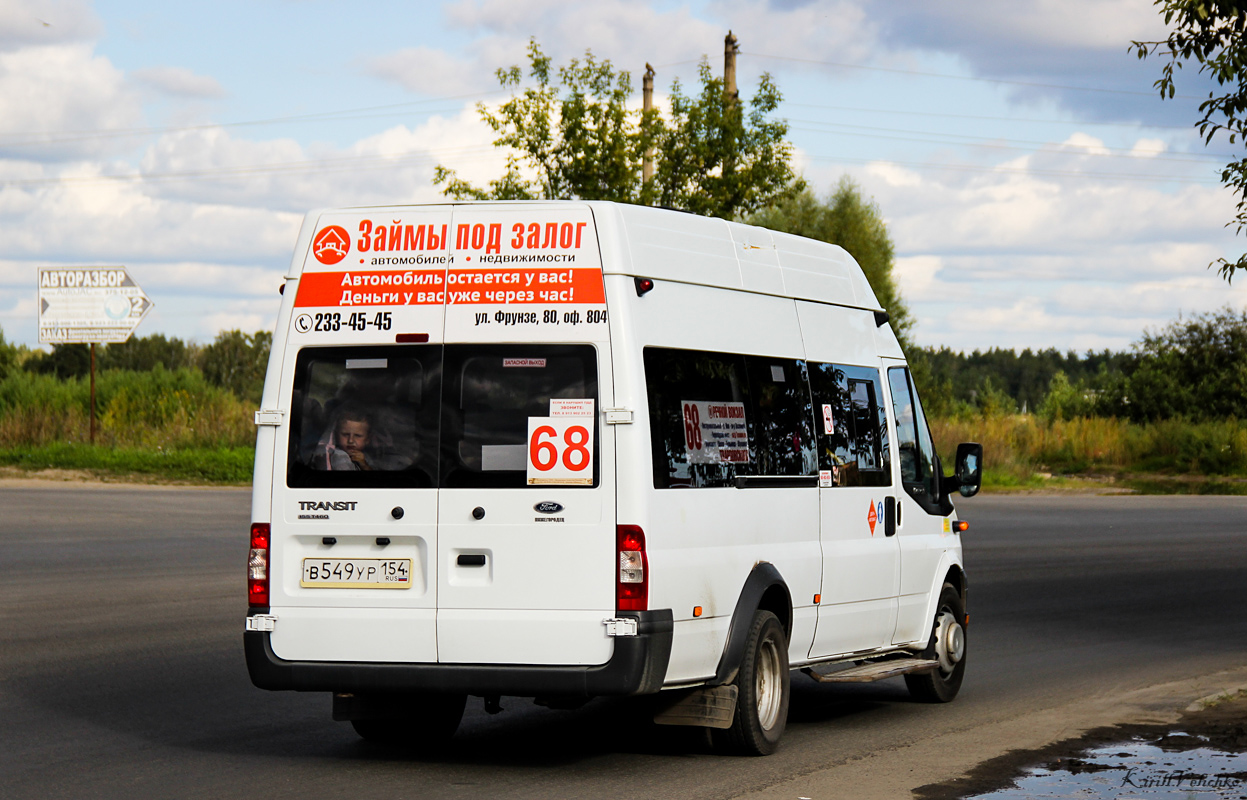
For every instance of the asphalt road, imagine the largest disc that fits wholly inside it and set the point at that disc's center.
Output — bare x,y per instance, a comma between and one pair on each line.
121,669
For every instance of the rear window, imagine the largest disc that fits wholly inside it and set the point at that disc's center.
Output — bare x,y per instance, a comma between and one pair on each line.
491,393
432,415
365,417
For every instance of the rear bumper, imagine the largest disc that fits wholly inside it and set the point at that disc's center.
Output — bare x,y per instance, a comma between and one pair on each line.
638,666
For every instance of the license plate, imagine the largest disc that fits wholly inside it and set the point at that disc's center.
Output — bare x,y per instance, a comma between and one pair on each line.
356,573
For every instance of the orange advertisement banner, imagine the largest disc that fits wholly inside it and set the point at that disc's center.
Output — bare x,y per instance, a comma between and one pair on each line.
507,286
581,286
371,288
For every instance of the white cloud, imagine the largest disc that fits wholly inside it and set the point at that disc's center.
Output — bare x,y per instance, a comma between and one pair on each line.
179,82
430,71
1086,142
55,101
1148,148
917,275
44,22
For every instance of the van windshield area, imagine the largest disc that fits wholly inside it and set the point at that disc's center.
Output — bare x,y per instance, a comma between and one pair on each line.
423,416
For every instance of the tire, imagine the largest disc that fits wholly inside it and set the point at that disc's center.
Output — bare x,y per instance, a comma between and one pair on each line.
764,691
948,646
420,721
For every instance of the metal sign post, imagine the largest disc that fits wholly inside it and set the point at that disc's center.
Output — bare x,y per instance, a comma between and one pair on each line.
86,305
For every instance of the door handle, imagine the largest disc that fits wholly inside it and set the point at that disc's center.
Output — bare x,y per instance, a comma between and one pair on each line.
889,516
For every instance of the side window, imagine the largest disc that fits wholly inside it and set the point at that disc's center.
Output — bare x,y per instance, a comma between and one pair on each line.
779,389
853,441
491,391
914,447
365,417
716,416
701,424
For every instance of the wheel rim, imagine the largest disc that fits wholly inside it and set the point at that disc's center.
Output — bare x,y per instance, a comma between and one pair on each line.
767,684
950,641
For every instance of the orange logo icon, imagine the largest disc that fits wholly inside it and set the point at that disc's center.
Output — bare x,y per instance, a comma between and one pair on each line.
331,244
872,517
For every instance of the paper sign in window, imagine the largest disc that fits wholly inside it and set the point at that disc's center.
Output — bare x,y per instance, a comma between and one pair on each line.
715,433
571,407
560,451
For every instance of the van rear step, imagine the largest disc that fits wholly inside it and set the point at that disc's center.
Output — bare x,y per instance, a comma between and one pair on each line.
877,671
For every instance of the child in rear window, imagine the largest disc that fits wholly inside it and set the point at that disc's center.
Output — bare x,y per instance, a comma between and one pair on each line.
346,448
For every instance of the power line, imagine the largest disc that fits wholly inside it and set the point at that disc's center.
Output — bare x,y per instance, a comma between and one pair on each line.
950,76
927,165
987,142
408,159
366,112
1031,121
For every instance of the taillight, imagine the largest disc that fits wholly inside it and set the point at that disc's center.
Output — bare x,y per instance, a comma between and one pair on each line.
257,565
632,585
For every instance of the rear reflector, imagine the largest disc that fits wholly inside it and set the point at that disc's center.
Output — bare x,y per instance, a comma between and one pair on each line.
257,565
632,584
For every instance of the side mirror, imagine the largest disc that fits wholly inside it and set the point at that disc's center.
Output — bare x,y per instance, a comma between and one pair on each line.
968,475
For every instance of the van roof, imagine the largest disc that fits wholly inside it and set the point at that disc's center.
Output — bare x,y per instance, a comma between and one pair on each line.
664,244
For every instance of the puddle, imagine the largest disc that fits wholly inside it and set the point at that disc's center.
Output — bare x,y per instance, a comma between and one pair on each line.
1203,756
1136,770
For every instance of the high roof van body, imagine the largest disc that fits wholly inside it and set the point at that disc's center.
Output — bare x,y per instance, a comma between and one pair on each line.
573,449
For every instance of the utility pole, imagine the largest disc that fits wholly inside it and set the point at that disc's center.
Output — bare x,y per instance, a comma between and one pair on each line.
647,105
731,101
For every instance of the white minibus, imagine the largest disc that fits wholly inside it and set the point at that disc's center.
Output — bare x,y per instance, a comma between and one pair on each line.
565,450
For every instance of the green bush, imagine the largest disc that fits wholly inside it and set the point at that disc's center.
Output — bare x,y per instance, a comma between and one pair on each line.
158,408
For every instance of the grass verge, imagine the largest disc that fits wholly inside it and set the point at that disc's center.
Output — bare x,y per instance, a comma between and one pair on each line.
228,466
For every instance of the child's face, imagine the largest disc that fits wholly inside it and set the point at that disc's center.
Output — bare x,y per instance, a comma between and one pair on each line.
351,436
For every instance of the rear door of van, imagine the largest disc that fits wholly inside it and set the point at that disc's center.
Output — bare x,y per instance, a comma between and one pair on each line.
354,539
526,518
477,523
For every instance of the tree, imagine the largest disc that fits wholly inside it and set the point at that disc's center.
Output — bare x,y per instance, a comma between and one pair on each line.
856,224
65,361
579,140
143,353
237,361
1194,368
1211,34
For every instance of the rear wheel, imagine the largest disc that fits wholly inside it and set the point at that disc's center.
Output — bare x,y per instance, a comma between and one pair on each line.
418,721
764,688
948,646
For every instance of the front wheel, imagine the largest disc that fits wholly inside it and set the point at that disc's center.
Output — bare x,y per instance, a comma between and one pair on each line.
948,646
764,688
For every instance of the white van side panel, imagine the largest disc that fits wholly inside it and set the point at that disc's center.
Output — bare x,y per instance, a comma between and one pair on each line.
703,543
913,624
270,397
861,567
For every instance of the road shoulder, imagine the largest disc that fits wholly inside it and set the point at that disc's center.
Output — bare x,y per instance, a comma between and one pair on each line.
951,755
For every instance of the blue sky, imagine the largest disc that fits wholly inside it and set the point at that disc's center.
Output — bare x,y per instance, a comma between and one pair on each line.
1038,192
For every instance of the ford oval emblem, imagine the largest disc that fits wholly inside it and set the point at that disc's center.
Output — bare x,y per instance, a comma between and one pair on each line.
547,507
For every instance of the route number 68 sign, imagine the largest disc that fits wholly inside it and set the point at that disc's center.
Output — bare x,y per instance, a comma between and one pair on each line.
560,446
